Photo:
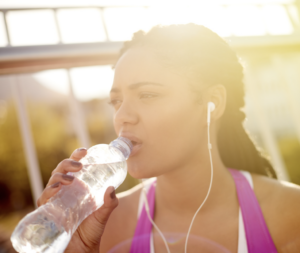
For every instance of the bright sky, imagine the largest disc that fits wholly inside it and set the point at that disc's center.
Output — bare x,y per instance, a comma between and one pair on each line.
88,82
239,18
33,3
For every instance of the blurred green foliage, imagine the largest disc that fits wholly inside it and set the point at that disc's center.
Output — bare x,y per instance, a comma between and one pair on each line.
52,144
12,161
54,141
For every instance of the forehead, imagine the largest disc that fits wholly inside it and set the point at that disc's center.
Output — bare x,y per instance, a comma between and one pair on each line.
142,65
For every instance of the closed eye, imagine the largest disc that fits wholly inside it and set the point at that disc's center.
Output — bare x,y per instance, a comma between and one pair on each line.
148,95
114,102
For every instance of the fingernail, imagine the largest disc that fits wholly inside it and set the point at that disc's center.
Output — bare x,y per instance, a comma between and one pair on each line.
55,185
113,194
80,149
76,164
67,177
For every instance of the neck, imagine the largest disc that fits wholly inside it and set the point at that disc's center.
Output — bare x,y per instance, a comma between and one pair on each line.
182,190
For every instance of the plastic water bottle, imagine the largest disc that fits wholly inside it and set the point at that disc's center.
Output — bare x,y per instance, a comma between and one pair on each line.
50,227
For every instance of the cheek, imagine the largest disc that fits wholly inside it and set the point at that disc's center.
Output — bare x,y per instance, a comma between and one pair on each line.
175,126
172,135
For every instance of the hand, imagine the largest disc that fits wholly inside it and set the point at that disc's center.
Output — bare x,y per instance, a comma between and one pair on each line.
88,235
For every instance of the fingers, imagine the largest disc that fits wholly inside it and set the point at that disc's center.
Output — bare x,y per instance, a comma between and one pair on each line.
110,201
71,164
67,165
60,177
103,213
78,154
53,186
49,192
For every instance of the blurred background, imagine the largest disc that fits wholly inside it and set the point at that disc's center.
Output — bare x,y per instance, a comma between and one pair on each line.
56,62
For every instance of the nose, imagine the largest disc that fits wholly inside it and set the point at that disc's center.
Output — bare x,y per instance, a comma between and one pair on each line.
125,115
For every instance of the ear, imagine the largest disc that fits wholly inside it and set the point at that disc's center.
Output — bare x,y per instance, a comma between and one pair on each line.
217,94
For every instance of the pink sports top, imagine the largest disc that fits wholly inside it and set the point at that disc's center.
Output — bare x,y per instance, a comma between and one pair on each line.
257,234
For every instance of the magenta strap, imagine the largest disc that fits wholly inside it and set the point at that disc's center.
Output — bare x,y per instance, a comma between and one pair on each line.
141,240
257,234
258,237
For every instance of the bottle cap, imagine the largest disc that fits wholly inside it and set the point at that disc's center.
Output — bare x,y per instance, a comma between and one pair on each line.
124,145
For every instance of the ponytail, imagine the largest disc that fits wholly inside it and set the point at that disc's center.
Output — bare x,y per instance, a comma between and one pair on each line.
238,151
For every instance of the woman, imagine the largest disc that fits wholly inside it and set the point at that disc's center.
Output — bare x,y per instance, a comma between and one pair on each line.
163,82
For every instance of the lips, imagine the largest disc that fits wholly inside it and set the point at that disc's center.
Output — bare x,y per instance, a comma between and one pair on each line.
136,142
133,143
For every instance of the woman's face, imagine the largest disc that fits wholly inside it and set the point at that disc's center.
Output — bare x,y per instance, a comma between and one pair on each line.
156,109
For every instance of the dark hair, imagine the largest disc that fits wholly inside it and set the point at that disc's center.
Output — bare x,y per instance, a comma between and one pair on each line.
202,55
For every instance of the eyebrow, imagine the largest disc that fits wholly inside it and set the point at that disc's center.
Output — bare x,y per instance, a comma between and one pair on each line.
137,85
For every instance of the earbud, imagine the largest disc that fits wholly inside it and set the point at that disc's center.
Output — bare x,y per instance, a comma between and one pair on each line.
210,108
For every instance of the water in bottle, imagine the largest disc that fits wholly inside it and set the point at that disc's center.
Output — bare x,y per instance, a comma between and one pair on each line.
49,228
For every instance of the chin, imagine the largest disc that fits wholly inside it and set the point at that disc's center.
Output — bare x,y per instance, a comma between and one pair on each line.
140,172
137,173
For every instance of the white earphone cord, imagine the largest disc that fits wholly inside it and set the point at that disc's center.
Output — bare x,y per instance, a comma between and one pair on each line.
208,192
153,223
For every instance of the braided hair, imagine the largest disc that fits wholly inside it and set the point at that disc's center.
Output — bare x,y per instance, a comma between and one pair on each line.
201,55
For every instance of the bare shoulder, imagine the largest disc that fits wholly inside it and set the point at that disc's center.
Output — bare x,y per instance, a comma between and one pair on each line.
121,223
280,204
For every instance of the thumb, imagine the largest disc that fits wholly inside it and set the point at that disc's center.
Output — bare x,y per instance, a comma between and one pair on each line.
103,213
91,229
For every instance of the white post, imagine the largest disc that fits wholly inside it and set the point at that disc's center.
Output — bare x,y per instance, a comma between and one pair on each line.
28,143
78,119
266,132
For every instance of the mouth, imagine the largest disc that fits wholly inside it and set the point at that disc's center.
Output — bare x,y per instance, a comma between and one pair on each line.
134,143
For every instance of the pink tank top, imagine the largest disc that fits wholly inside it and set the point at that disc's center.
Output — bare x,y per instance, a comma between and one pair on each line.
258,237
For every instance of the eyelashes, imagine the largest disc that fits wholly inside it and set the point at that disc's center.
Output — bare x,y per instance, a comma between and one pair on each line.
114,102
142,96
148,95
